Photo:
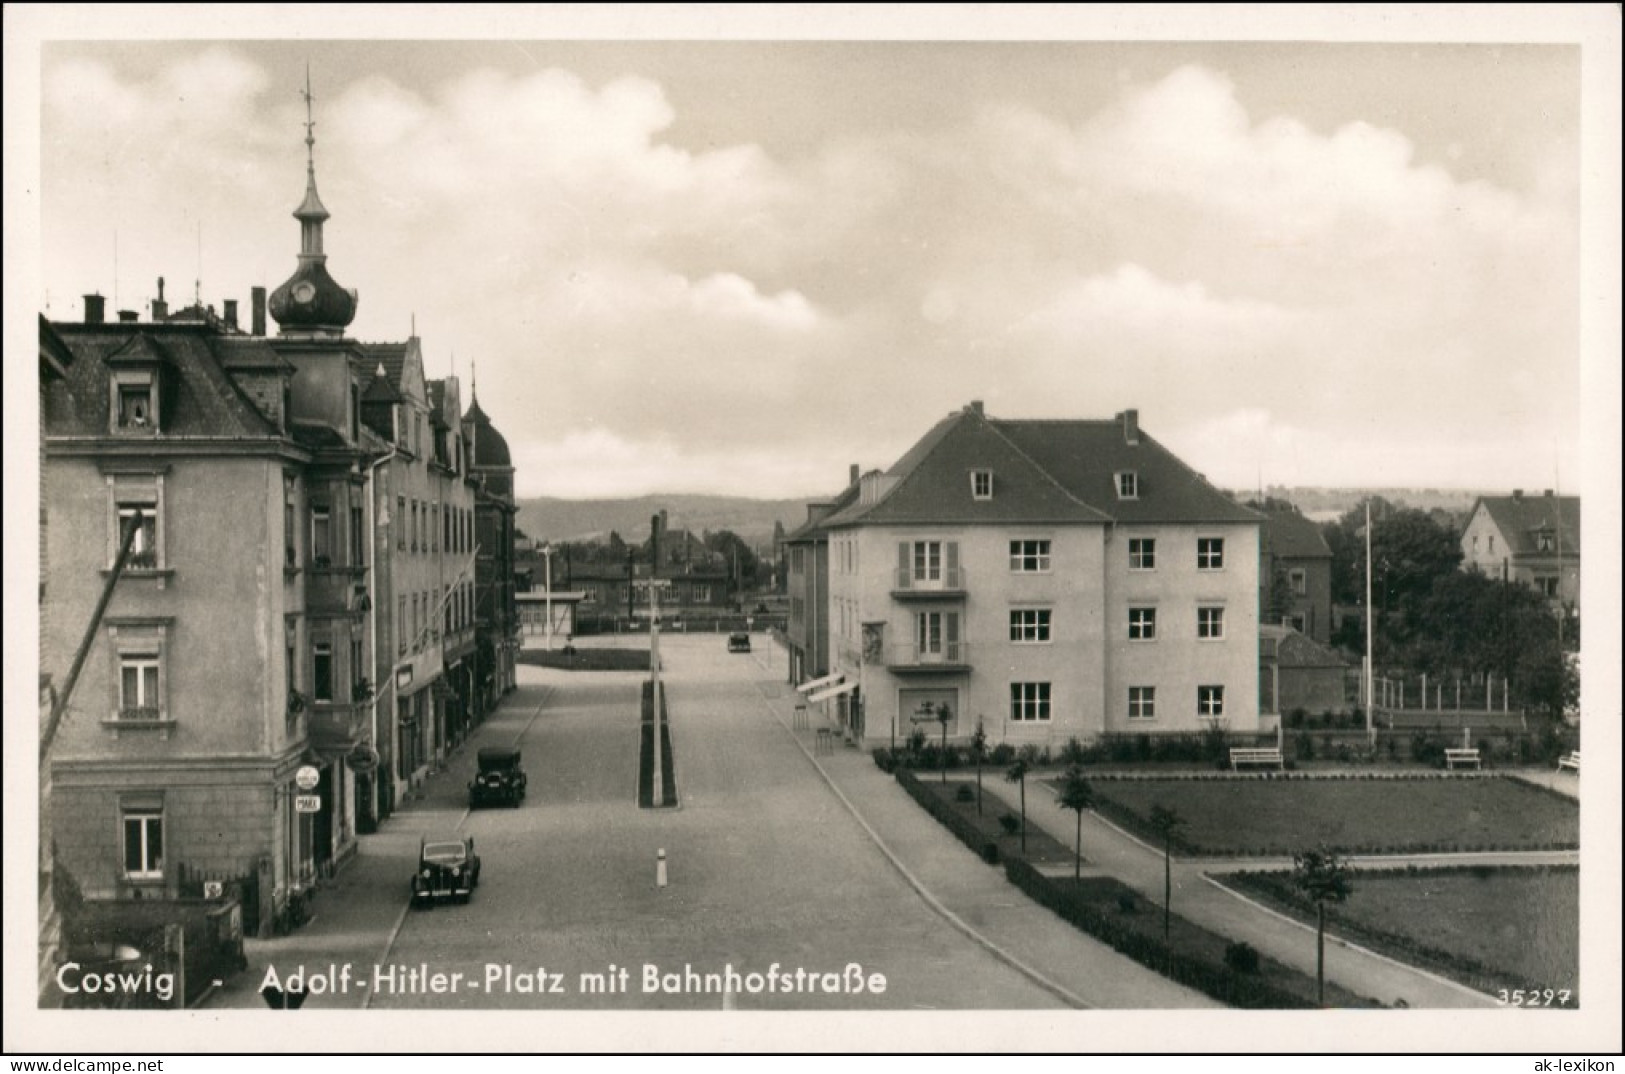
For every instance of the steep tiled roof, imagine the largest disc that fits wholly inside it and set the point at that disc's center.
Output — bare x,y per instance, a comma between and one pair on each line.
198,397
1086,456
1043,471
933,482
392,356
1521,519
1292,536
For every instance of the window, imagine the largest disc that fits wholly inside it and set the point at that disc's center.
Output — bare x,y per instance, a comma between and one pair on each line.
414,525
138,686
400,523
358,670
1492,544
1209,553
1128,485
358,537
1547,586
1210,623
143,842
400,625
1209,702
321,537
1029,701
289,532
1029,625
701,594
1299,579
1142,702
1142,553
321,687
1029,557
927,561
1545,542
144,549
135,406
290,644
1142,624
1475,542
981,484
927,632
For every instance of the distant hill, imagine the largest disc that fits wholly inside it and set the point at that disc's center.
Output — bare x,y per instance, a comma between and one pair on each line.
1326,504
578,520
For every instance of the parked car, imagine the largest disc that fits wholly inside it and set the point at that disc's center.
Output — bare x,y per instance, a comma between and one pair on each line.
500,778
448,870
739,643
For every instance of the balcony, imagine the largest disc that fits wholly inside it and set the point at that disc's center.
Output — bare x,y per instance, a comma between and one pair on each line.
949,584
949,657
335,589
338,728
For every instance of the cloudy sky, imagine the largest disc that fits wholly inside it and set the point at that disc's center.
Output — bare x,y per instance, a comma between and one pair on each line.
740,266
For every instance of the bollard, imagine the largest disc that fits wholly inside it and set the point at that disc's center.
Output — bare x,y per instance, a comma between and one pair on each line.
660,868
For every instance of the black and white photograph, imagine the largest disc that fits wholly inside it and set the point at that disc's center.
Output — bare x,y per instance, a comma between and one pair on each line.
988,529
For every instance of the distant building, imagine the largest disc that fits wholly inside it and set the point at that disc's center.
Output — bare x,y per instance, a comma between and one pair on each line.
496,611
1531,540
1296,673
806,551
1295,576
1044,579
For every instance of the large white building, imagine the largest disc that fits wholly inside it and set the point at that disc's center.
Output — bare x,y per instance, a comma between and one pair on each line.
1044,579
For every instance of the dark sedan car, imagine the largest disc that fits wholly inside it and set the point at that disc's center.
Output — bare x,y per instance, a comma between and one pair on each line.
739,643
448,870
500,780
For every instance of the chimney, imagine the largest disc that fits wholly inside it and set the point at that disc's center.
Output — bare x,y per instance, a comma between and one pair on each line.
160,308
128,316
976,407
1131,426
95,309
852,475
231,314
257,306
1517,495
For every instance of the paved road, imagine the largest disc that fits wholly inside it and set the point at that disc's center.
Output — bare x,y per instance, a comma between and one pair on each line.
765,866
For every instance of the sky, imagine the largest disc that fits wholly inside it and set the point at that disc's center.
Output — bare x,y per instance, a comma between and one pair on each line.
740,266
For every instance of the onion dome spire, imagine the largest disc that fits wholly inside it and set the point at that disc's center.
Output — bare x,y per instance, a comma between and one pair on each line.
311,302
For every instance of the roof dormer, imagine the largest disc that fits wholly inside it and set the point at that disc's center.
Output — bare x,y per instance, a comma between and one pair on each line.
135,387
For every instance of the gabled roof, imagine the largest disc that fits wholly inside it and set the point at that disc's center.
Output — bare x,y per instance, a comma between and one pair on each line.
814,528
1522,518
392,356
1290,536
1294,649
199,399
1086,457
933,483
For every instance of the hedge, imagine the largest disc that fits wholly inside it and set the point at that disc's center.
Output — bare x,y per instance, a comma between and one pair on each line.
963,830
1213,978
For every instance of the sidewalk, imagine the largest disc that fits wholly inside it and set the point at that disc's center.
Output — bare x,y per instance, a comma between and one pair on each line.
974,896
347,927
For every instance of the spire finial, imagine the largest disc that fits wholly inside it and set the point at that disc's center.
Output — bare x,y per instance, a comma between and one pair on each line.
474,381
310,123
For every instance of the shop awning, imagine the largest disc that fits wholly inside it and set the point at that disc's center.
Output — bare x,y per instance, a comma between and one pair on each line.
833,691
813,684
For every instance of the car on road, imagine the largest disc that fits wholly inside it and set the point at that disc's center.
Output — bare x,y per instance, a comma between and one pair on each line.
500,779
738,643
448,870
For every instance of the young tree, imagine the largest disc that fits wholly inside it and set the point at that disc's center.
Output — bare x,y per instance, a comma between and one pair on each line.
944,714
1322,876
1166,821
1018,774
978,747
1077,795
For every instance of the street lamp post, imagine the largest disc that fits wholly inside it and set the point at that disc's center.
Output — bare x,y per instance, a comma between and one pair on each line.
547,576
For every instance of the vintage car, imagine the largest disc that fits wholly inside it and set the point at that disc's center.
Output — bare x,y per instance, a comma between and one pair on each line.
499,780
739,643
448,870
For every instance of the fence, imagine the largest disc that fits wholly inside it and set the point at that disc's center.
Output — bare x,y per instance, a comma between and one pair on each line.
589,625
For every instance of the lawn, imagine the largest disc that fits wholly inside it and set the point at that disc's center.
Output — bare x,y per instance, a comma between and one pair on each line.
1226,817
1490,928
587,659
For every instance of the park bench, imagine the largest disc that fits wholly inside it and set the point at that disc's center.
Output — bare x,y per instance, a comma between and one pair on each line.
1239,757
1462,756
1569,760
